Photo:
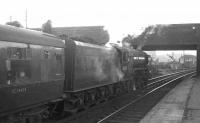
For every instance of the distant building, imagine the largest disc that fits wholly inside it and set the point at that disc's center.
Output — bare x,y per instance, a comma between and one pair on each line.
174,65
188,61
88,34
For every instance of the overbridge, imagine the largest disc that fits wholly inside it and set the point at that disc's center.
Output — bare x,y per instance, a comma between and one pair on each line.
171,37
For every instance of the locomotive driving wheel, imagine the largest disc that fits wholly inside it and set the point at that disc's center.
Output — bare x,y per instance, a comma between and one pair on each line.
117,89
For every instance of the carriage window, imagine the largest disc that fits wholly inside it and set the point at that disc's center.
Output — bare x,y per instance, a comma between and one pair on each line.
19,72
18,53
18,64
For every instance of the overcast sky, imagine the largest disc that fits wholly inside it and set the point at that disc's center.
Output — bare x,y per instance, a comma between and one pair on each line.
120,17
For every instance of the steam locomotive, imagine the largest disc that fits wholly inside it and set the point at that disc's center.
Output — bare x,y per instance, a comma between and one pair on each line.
42,75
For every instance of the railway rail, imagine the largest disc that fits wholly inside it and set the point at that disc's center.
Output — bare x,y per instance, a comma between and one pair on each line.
136,109
168,75
115,110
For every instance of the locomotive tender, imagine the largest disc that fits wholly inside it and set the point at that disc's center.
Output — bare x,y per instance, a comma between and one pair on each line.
42,75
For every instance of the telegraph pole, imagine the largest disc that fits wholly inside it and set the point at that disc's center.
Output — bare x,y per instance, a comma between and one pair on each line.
26,18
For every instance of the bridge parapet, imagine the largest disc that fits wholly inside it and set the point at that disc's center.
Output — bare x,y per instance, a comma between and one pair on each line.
169,37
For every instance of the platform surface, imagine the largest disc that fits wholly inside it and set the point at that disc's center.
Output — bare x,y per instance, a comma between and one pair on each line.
180,105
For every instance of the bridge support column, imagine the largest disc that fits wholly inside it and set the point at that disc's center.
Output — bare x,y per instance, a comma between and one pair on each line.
198,60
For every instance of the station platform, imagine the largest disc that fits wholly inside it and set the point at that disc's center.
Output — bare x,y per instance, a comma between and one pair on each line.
180,105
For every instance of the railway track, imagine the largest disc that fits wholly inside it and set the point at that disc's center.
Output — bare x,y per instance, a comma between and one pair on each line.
136,109
114,110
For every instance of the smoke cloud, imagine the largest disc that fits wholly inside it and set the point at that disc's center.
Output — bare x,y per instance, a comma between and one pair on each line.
108,67
149,33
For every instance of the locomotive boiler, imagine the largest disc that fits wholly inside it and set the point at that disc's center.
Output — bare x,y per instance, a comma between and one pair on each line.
42,75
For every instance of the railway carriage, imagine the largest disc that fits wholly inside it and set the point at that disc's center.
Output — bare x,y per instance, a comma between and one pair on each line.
31,70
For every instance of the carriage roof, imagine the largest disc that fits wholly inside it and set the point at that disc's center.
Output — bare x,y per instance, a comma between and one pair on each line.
16,34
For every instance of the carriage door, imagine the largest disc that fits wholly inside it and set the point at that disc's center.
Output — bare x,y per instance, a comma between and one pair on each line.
18,64
45,68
